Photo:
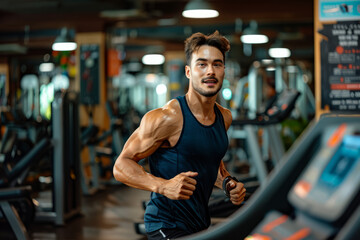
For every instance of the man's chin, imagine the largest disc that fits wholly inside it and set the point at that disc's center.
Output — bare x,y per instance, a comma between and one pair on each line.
210,94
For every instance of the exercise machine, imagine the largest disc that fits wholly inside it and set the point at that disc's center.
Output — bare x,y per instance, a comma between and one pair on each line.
261,129
66,187
89,138
312,194
63,148
30,96
279,109
8,199
16,204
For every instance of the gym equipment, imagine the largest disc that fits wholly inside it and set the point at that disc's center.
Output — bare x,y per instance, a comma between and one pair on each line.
259,139
30,96
249,93
143,93
66,188
90,185
313,193
65,201
15,201
14,175
279,109
299,79
108,144
115,131
3,83
10,212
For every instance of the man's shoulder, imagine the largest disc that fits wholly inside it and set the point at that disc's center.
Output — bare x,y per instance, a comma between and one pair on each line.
162,123
223,110
226,115
168,114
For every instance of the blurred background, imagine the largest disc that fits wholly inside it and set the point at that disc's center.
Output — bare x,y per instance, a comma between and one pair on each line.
120,59
122,32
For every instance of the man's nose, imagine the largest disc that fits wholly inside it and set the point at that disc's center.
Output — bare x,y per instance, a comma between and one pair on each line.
210,70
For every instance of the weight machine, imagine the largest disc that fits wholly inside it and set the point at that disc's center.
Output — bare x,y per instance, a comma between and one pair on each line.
63,148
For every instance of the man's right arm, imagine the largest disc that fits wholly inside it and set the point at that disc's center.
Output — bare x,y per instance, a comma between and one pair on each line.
154,129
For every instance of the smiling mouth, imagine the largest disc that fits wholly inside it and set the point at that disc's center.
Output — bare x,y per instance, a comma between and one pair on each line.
210,81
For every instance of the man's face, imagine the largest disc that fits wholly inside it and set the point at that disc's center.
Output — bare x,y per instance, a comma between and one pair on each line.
207,71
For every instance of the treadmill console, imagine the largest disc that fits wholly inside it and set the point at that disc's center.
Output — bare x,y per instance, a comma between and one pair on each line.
331,181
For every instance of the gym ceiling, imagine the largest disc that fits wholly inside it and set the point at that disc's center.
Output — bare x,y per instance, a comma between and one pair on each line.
33,25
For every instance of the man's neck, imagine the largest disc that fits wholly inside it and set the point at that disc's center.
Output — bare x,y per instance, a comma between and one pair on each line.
200,106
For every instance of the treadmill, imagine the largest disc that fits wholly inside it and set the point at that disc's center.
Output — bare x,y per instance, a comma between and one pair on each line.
314,192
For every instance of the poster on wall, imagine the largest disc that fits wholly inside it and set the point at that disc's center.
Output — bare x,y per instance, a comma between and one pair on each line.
89,74
334,10
340,66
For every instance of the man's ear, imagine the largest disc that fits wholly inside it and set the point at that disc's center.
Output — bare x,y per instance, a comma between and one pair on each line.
187,71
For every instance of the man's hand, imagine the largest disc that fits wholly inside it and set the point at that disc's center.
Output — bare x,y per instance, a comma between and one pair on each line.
180,187
237,192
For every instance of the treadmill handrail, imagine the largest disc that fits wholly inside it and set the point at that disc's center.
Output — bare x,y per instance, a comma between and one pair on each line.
265,118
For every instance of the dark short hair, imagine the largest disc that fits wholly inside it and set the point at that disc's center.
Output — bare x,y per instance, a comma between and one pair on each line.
195,41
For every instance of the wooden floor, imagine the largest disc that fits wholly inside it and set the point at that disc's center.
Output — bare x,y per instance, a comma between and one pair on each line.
108,215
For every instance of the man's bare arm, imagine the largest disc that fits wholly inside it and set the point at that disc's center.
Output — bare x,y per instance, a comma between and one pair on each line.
237,191
157,127
222,174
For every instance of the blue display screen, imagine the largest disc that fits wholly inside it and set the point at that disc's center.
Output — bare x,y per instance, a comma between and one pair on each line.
342,162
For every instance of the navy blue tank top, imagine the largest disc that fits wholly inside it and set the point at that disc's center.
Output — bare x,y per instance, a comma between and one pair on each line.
200,148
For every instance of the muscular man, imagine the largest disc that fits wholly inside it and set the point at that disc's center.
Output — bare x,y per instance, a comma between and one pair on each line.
185,142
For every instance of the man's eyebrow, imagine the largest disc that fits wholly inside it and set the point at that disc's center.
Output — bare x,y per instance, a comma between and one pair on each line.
200,59
205,60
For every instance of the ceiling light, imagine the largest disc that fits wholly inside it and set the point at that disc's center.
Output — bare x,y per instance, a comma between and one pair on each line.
267,61
270,69
64,42
46,67
153,59
251,35
199,9
254,39
278,51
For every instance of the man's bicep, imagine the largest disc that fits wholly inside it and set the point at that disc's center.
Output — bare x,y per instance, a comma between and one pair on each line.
145,139
139,146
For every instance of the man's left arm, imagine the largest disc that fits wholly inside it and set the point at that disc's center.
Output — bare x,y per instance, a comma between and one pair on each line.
233,189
